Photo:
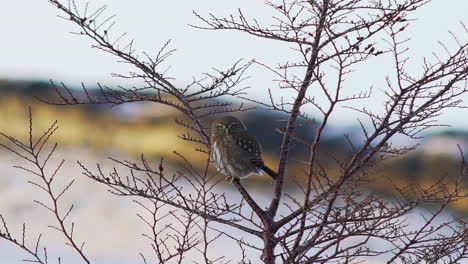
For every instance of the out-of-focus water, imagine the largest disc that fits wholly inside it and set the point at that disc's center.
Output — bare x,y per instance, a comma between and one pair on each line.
107,223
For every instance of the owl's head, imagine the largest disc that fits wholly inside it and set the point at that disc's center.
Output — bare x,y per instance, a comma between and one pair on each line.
227,125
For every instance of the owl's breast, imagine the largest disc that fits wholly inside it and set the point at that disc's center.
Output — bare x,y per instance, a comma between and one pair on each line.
230,158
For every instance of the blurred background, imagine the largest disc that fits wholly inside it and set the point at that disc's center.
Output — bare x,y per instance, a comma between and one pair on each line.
37,47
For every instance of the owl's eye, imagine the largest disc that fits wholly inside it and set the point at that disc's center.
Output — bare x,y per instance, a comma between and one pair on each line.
233,126
220,126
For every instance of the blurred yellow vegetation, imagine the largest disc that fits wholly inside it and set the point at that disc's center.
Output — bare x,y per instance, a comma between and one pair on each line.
155,134
95,130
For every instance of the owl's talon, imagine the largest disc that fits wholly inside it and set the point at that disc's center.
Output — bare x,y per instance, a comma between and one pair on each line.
230,179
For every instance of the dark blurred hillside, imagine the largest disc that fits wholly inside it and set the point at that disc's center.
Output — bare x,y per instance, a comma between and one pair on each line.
150,129
25,88
262,123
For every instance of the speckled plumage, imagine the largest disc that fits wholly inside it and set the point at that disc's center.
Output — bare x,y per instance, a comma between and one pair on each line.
235,152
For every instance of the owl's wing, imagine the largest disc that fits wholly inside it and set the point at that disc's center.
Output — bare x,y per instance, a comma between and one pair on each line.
250,147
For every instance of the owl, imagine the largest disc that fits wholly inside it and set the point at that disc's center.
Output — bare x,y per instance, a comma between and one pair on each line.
234,151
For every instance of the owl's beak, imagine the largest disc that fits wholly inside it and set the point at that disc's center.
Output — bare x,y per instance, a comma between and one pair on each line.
226,130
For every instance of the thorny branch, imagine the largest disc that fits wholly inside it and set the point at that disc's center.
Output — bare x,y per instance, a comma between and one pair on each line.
34,152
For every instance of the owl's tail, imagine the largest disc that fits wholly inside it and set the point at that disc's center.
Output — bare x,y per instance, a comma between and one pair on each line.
270,172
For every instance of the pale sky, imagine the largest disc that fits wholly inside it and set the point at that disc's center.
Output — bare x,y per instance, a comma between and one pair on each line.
36,44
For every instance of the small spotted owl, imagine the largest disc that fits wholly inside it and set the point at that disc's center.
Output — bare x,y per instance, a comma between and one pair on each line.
235,152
